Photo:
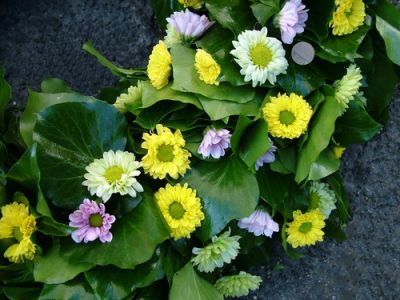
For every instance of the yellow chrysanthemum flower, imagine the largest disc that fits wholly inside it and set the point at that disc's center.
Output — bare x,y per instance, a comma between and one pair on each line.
338,151
16,223
287,116
348,16
159,67
207,68
165,153
196,4
306,229
181,209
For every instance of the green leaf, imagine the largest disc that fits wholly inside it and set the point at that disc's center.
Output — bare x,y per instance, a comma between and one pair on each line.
301,80
26,173
232,14
218,109
319,17
172,261
163,9
55,86
5,96
218,42
388,26
53,267
70,136
125,73
113,283
228,190
255,143
336,183
49,226
75,289
21,292
37,102
325,165
319,135
264,9
144,226
13,274
186,79
241,125
152,96
355,126
187,285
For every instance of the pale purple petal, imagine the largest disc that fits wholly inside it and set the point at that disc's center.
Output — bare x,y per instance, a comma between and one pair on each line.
189,24
292,19
259,223
80,219
214,143
268,157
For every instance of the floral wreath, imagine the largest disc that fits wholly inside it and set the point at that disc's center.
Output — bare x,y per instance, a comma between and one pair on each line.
176,181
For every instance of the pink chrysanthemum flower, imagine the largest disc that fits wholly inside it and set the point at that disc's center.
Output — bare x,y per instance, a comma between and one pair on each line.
91,222
268,157
188,24
214,143
259,223
292,19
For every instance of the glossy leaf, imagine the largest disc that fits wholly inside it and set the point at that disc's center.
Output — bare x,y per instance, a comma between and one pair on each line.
77,288
114,283
336,183
319,135
319,17
163,9
49,226
325,165
55,86
232,14
53,267
172,261
186,79
152,96
388,26
38,102
5,96
70,136
264,9
242,124
355,126
228,190
187,285
21,292
143,227
150,117
14,274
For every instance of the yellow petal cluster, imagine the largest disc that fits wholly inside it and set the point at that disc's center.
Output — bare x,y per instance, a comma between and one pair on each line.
159,67
16,223
306,228
196,4
130,100
348,16
165,153
287,116
207,68
181,209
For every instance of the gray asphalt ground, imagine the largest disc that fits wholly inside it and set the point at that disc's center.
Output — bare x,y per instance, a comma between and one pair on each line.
40,39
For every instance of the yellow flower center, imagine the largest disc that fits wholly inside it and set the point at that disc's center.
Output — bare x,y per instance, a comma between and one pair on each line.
261,55
17,234
176,210
305,227
96,220
286,117
165,153
314,197
113,174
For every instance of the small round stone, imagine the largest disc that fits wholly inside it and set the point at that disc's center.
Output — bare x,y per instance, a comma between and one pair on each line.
303,53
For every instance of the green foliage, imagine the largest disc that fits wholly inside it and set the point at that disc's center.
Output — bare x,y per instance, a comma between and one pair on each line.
235,15
187,285
70,136
264,9
163,9
77,288
319,17
227,189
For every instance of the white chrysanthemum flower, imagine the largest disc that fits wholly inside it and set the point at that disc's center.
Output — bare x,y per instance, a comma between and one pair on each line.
115,173
322,197
131,100
347,87
261,58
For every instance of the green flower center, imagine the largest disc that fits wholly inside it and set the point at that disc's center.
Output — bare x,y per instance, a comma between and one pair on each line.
176,210
113,174
314,200
286,117
96,220
165,153
17,234
261,55
305,227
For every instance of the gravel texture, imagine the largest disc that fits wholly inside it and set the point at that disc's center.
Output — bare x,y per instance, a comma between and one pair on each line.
40,39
